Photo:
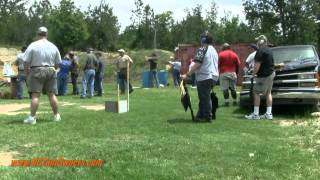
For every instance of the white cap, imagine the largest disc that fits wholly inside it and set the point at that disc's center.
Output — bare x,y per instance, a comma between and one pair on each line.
42,29
121,50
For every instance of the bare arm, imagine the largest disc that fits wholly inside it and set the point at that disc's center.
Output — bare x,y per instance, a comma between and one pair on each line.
256,68
192,70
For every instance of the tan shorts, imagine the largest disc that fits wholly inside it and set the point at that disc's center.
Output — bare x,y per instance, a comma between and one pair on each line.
42,79
228,81
264,85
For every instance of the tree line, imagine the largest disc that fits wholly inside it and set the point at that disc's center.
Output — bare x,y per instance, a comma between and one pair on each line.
284,22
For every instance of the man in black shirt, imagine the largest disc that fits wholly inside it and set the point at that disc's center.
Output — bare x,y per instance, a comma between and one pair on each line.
98,82
264,73
153,69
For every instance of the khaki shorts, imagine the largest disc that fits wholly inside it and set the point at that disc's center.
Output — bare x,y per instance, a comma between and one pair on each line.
228,81
42,79
264,85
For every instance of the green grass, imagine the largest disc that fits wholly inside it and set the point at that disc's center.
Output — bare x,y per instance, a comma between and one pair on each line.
156,140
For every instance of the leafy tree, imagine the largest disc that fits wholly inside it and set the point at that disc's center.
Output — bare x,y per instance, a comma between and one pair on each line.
164,23
13,21
67,27
286,22
103,27
190,28
38,15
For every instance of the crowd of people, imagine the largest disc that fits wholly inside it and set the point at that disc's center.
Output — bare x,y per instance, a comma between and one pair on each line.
47,72
210,67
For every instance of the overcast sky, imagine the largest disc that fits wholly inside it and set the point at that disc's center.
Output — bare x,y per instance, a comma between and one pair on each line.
122,8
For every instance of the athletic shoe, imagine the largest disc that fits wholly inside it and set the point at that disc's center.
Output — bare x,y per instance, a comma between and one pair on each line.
57,118
252,116
267,116
30,120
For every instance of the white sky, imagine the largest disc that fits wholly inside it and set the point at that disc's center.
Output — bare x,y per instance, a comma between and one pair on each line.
122,8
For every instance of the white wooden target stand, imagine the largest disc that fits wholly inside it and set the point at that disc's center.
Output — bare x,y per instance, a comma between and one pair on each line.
119,106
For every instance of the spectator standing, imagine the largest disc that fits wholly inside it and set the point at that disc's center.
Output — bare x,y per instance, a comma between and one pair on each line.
176,66
263,72
193,76
98,83
122,66
153,69
63,75
75,70
250,59
228,69
21,73
42,58
89,74
207,75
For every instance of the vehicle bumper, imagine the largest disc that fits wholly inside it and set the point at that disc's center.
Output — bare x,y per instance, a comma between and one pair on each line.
285,98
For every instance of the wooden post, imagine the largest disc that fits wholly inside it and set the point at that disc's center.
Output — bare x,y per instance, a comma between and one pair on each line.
128,74
118,94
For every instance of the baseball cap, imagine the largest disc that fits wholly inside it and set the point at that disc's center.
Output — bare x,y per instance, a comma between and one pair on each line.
42,29
121,51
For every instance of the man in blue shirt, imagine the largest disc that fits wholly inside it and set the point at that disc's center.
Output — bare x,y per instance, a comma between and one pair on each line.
63,75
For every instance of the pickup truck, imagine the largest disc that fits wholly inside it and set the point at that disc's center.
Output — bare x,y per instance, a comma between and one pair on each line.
296,81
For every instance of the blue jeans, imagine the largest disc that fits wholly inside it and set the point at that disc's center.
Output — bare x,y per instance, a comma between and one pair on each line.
21,80
122,80
176,77
88,81
154,76
74,78
205,104
62,85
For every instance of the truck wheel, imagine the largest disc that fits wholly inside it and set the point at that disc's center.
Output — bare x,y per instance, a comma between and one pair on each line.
316,107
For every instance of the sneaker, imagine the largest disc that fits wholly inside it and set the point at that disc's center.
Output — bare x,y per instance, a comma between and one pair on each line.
252,116
267,116
30,120
57,118
226,104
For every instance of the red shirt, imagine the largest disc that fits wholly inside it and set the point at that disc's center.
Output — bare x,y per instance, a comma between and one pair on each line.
228,61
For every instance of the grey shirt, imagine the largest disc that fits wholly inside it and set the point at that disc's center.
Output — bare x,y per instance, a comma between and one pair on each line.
42,53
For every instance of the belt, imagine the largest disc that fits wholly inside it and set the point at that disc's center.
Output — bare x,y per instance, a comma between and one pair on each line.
40,66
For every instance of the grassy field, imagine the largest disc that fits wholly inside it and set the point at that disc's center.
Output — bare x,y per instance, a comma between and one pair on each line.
157,140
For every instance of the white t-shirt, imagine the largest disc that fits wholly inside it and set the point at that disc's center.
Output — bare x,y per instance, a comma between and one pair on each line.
250,59
176,65
209,64
42,53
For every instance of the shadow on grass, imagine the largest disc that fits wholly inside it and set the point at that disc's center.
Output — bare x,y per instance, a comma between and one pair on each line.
288,111
20,122
177,120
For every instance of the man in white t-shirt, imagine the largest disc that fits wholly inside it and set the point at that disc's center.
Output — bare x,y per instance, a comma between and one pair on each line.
207,75
250,59
42,58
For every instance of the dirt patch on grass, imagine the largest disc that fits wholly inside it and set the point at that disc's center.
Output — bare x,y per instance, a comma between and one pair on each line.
94,107
7,157
286,123
67,104
13,109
